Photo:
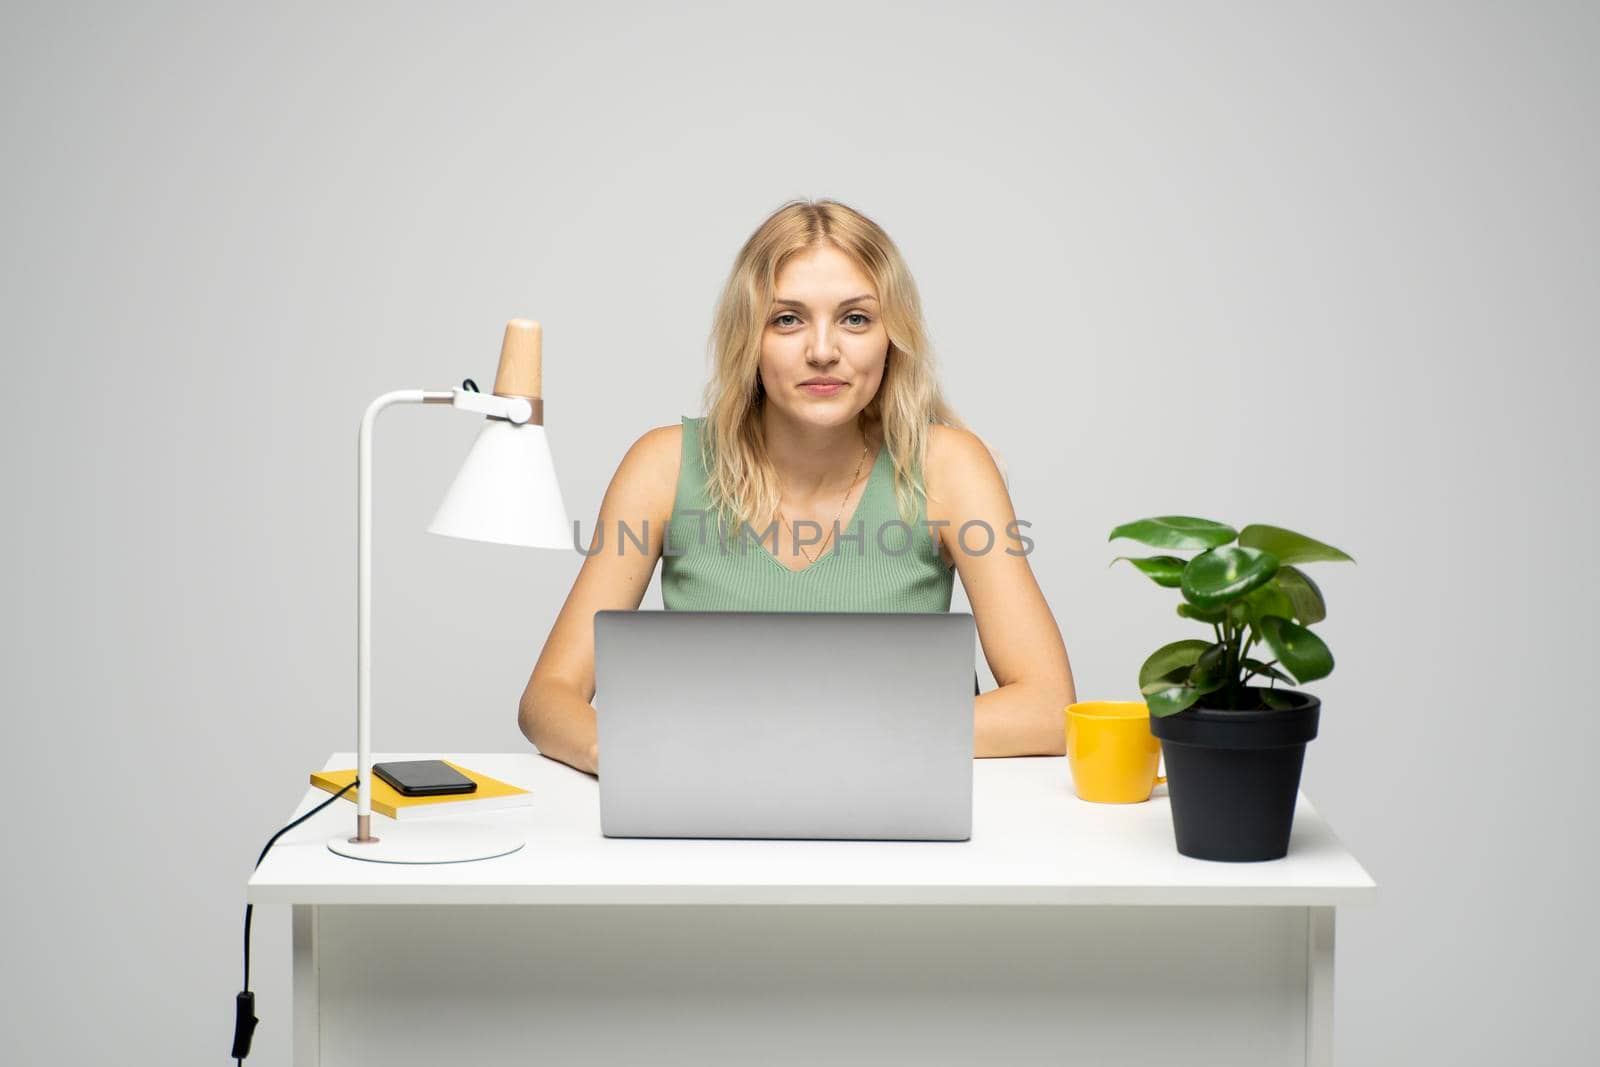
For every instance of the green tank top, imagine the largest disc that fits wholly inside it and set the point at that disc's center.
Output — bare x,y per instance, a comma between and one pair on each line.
878,563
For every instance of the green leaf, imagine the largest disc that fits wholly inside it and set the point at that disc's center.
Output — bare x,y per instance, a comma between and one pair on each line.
1300,651
1169,658
1275,700
1306,598
1222,574
1270,599
1176,531
1189,611
1289,546
1163,570
1264,670
1210,671
1176,676
1171,701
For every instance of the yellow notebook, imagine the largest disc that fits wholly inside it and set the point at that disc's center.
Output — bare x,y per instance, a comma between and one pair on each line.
491,794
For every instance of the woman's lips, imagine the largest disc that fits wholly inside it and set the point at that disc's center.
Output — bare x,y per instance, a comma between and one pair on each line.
822,388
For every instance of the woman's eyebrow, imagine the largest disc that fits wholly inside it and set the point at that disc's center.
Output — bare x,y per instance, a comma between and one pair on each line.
853,300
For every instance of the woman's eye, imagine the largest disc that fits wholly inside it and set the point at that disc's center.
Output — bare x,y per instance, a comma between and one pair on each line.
865,319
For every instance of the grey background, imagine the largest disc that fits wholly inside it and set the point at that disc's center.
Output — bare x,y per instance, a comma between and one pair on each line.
1328,267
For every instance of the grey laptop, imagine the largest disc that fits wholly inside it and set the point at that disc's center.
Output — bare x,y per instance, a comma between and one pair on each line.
785,724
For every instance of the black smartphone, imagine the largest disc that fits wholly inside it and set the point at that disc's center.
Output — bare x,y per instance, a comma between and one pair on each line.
424,777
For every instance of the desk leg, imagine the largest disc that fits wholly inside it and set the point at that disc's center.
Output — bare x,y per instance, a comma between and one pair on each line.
1319,987
307,993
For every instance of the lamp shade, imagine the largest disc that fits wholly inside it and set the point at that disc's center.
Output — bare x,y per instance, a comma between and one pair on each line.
506,491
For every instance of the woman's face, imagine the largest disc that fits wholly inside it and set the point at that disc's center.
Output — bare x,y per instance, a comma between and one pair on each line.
824,344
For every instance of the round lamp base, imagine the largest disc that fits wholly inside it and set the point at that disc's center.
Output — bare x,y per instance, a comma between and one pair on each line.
428,842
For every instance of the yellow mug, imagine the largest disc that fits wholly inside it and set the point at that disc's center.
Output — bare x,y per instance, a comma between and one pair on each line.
1113,755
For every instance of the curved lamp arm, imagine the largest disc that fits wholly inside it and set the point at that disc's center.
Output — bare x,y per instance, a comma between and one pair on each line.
514,409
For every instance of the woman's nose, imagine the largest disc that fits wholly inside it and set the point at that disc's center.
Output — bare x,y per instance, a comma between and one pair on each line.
822,347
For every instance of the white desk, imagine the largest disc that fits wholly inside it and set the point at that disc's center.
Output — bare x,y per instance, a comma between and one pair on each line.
1063,932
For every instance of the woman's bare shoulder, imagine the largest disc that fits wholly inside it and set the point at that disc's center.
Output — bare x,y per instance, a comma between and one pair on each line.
654,454
955,455
660,444
647,477
951,463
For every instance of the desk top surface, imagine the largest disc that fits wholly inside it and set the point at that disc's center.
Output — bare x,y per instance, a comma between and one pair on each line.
1033,842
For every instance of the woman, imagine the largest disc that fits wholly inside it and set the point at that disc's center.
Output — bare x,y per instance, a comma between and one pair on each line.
823,404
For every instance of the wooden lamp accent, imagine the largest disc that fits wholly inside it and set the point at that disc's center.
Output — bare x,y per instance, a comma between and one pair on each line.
522,365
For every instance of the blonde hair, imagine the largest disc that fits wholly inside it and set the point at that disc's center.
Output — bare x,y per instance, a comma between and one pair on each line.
741,485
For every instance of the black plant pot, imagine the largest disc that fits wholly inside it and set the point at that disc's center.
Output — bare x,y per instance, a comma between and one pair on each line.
1232,776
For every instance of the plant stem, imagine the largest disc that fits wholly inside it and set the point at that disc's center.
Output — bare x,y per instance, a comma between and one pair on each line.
1232,668
1252,674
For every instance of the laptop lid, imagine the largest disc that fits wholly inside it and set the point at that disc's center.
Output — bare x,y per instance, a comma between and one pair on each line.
785,724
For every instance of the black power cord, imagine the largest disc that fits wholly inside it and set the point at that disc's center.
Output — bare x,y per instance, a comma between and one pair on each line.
244,1005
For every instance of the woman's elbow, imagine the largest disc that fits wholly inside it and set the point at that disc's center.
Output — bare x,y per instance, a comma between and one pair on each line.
527,715
1053,715
530,709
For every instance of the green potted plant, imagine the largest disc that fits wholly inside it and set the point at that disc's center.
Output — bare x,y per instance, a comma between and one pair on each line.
1234,750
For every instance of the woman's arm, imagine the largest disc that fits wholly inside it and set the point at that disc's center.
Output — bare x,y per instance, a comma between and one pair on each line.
1019,635
555,712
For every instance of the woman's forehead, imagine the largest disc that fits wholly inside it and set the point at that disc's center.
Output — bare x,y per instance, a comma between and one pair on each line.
823,276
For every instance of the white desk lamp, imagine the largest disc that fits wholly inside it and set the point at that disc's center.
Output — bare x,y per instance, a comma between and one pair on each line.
505,492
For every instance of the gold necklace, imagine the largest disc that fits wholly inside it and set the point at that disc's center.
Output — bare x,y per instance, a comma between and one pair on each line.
851,486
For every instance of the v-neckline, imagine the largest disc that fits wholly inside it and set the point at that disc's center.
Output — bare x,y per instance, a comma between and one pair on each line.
833,548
